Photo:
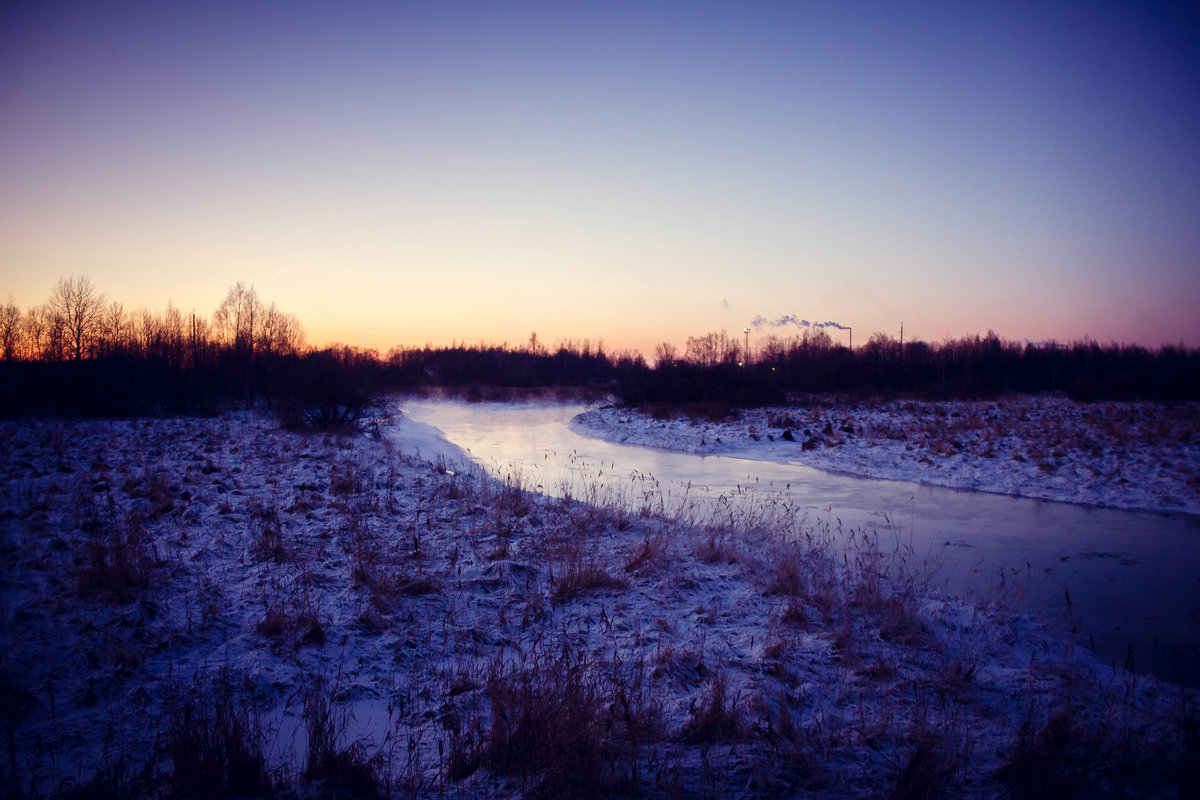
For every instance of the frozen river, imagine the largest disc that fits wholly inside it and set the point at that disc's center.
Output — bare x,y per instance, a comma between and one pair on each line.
1133,579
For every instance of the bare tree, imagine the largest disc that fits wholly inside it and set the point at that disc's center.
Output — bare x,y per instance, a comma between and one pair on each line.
295,338
34,325
116,328
173,335
81,307
238,317
712,349
199,335
665,354
772,348
148,333
10,329
818,339
882,347
56,347
279,333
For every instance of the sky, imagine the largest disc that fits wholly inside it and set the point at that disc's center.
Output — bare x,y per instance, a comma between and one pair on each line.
409,173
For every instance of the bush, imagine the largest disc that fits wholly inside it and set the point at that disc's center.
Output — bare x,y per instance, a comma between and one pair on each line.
215,744
339,769
567,725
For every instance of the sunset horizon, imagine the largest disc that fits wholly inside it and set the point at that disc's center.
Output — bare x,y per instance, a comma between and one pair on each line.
579,399
366,335
411,174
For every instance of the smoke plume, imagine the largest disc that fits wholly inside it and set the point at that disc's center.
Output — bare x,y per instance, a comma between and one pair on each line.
760,322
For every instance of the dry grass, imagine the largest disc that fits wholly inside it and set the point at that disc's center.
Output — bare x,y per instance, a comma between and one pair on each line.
269,542
567,726
579,574
715,717
520,646
292,625
117,563
340,769
215,741
650,557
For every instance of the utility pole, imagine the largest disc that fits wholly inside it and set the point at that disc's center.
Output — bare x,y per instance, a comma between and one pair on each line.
747,357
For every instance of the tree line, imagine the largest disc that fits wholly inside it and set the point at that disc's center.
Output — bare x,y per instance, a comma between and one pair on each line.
569,364
79,323
716,368
81,353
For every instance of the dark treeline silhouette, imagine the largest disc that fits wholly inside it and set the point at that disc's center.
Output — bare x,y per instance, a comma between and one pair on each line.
967,368
461,366
82,354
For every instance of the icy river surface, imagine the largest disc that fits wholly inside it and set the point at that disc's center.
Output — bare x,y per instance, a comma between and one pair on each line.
1127,582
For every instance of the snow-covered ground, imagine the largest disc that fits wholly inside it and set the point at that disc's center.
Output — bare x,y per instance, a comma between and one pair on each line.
1131,455
173,588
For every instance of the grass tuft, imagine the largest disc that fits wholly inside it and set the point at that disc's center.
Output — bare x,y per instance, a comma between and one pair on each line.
579,575
215,743
340,770
716,717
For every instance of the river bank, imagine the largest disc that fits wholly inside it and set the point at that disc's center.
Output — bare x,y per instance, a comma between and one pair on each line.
1128,455
182,596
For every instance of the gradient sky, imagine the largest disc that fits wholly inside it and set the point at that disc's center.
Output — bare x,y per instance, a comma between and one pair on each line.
404,173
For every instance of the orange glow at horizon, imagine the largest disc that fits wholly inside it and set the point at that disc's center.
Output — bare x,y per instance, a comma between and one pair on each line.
632,174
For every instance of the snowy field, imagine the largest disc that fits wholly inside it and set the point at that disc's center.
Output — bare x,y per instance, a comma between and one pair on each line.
219,607
1129,455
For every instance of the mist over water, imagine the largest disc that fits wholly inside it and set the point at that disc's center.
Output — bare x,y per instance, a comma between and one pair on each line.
1133,578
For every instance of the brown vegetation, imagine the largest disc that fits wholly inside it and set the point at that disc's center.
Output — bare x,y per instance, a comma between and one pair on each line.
493,642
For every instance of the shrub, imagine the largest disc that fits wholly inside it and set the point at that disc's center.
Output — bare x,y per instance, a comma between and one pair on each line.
579,575
566,725
215,743
117,565
339,769
715,719
291,626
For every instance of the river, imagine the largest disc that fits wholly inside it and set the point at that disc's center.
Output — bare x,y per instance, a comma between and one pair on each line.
1125,583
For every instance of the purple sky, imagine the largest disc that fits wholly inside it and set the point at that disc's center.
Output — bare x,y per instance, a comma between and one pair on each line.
403,173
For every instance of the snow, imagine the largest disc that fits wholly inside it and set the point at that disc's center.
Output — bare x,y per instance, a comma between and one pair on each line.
143,559
1129,455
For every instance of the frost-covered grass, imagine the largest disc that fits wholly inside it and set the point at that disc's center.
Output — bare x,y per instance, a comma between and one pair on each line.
1132,455
219,607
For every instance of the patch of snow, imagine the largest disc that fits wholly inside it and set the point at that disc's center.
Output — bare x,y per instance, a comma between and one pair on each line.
142,558
1128,455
